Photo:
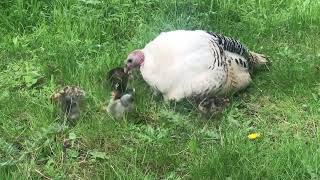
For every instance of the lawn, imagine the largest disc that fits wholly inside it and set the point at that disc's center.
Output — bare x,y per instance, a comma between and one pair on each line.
47,44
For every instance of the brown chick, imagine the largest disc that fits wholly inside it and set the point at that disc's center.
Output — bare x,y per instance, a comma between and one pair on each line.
69,99
118,78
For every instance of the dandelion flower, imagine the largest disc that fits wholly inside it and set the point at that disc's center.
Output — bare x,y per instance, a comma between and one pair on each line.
253,136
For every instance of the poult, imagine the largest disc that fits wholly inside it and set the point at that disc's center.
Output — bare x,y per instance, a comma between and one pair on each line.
118,78
119,105
213,105
70,99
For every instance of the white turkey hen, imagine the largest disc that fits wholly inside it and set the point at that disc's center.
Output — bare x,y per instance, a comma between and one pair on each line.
183,64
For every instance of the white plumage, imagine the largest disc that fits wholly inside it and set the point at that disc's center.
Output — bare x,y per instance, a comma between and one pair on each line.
183,64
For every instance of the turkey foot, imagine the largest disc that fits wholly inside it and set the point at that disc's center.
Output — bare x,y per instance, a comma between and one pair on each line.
213,105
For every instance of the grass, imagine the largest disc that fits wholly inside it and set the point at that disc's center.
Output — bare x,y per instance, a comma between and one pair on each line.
47,44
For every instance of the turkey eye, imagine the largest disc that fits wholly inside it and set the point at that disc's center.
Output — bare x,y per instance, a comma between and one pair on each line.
129,61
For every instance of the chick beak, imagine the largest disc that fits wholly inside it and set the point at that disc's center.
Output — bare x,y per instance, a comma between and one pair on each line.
115,95
126,69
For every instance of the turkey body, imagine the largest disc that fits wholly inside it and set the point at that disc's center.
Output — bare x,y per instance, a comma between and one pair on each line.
183,64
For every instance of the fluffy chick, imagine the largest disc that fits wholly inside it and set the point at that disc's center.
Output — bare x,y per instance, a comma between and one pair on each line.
212,105
118,77
119,105
69,99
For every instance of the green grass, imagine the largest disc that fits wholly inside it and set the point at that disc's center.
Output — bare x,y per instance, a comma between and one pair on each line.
47,44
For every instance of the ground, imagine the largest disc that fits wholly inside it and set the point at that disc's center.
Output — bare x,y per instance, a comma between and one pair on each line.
47,44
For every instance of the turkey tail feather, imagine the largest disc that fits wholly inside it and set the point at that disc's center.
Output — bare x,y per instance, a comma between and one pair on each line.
231,44
235,46
257,60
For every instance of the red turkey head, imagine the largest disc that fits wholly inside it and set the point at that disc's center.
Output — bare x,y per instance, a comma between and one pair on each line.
134,60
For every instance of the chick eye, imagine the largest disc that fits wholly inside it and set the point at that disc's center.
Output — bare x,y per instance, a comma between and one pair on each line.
129,60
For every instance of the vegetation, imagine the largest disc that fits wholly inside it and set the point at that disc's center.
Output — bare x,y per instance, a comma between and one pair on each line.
47,44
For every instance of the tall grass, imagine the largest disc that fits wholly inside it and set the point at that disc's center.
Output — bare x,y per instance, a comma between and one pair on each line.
47,44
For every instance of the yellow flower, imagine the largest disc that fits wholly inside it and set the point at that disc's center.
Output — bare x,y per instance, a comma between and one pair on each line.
253,136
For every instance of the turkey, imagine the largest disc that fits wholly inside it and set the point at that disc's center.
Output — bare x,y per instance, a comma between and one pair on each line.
200,64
